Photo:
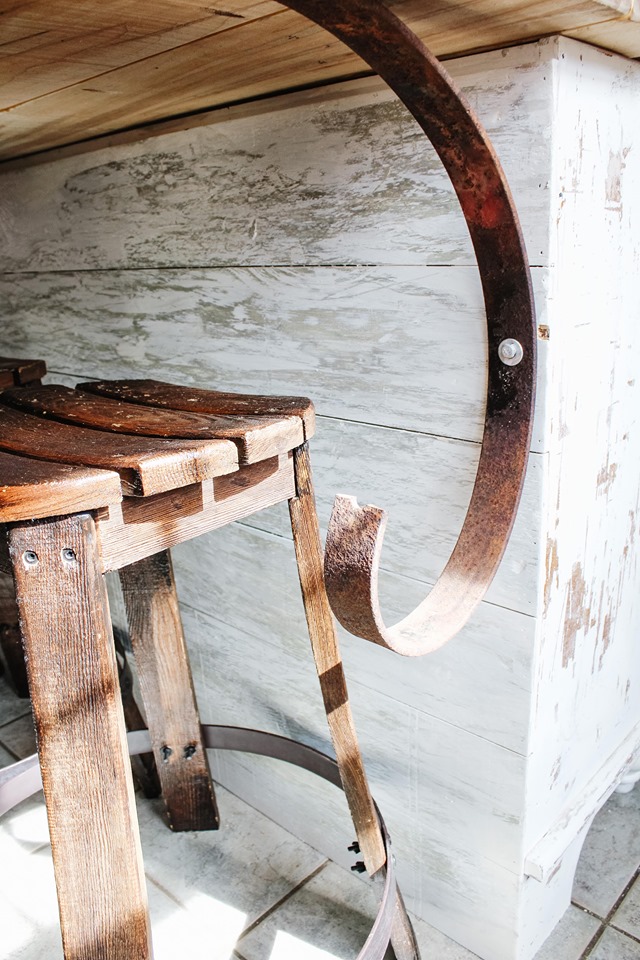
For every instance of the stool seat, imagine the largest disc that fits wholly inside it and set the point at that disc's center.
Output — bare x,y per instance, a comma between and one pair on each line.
155,436
109,476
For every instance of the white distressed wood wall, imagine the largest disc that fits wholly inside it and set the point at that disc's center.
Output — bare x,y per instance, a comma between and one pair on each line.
312,244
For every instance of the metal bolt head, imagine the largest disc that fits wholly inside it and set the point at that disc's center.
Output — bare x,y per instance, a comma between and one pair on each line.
68,554
30,557
510,352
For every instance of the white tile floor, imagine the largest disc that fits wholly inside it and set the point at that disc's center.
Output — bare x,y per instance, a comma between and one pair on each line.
254,892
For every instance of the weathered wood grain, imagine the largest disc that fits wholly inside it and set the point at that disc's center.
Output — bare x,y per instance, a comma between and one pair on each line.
84,759
257,437
34,488
77,47
142,527
211,403
343,179
326,654
14,371
146,466
157,639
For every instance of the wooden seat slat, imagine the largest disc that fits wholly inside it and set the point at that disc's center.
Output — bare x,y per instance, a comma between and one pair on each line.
14,372
146,466
157,393
256,437
33,489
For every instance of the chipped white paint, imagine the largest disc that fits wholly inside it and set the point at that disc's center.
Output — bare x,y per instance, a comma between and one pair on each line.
315,246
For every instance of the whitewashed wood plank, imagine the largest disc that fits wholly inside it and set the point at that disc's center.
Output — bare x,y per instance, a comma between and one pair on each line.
349,180
480,681
398,346
210,327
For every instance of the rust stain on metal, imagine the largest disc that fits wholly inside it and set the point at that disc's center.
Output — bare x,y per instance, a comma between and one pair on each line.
376,34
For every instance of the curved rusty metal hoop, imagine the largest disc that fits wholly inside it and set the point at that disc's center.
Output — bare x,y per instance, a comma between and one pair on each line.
355,534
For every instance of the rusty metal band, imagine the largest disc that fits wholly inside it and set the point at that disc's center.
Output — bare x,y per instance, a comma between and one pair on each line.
22,779
355,534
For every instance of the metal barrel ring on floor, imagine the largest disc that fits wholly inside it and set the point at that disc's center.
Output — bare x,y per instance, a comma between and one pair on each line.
22,779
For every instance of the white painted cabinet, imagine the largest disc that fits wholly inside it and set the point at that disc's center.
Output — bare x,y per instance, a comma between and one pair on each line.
312,244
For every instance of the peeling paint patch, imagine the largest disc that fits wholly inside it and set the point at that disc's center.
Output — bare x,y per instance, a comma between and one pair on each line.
577,615
606,477
613,184
551,568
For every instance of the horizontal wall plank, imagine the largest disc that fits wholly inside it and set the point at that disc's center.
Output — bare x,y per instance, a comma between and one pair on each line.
399,346
480,681
348,179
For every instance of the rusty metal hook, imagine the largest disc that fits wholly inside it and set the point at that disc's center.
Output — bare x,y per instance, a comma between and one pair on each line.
355,533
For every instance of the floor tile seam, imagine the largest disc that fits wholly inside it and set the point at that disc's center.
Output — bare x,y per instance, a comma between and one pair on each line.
629,936
8,723
606,917
16,756
152,879
605,921
159,886
595,940
269,911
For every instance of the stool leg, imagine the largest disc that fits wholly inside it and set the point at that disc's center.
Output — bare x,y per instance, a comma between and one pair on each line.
161,657
326,653
324,643
86,773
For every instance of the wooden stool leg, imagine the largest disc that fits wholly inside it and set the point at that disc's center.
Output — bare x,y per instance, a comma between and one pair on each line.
324,643
82,743
326,653
161,657
145,773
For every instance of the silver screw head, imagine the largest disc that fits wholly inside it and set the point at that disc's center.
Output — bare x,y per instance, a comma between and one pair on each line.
68,554
510,352
30,557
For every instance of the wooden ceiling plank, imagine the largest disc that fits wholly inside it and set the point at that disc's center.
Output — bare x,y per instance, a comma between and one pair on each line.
242,60
60,60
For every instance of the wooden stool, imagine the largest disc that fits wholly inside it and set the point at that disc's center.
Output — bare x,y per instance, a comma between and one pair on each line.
110,476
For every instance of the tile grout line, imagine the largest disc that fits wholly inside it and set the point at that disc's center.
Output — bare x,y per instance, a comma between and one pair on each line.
605,922
283,899
6,724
